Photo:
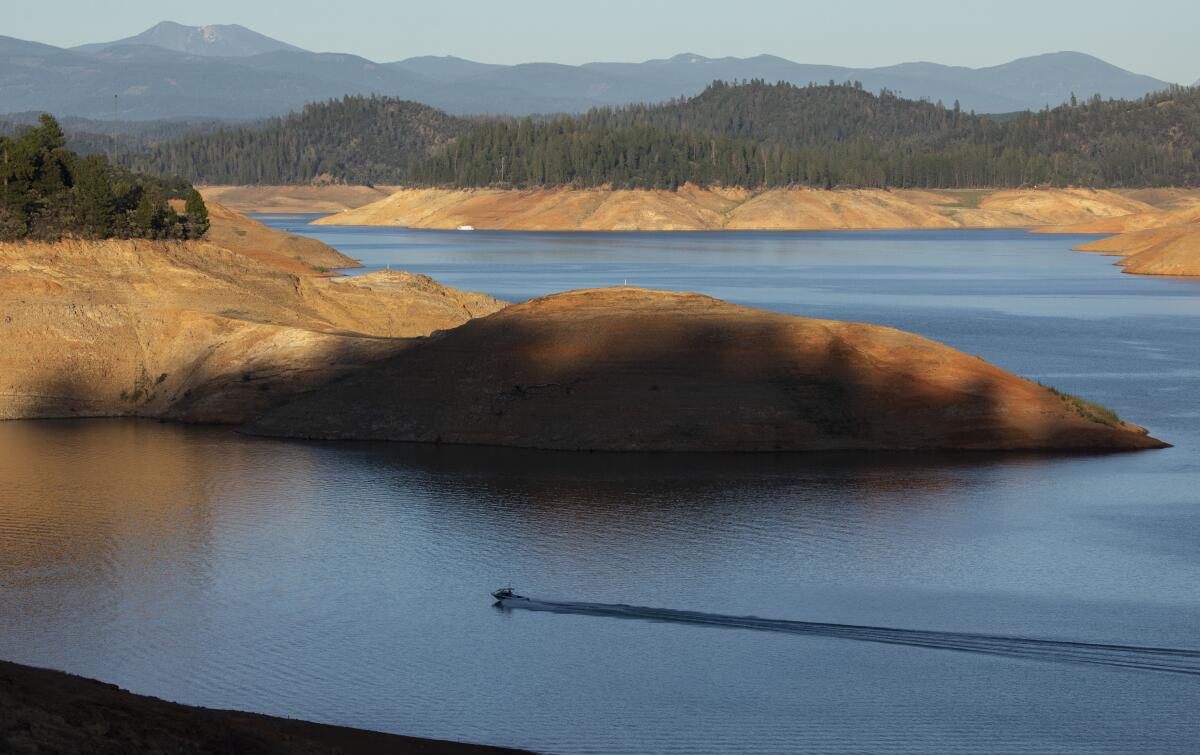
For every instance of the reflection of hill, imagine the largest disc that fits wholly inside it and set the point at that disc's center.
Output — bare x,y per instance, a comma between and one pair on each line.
146,510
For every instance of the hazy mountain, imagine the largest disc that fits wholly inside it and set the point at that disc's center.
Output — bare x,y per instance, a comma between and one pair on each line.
173,71
147,82
445,66
227,41
1027,83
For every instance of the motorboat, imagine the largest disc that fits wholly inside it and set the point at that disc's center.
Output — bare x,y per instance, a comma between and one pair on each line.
506,593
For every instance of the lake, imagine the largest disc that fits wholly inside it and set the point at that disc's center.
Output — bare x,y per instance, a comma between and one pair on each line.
348,583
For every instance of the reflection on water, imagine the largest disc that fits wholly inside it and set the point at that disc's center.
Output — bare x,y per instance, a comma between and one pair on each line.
349,583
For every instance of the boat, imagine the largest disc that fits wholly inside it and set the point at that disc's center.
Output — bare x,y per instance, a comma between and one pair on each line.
466,228
506,593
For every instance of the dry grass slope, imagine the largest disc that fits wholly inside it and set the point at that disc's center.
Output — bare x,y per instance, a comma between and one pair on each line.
197,331
696,209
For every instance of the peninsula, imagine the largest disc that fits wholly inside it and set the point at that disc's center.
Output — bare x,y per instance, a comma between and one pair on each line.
627,369
1163,241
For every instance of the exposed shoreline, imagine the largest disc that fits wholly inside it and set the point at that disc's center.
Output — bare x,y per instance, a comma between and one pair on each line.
48,710
228,332
1159,229
1164,241
294,199
692,208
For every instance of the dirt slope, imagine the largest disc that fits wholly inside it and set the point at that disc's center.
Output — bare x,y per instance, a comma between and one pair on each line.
1164,241
193,330
284,251
44,711
1172,250
287,199
632,369
1180,213
695,209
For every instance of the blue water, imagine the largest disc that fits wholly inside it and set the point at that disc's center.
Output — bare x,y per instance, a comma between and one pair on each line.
348,583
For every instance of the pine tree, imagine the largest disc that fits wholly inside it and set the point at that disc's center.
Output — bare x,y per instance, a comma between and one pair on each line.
147,220
94,201
197,215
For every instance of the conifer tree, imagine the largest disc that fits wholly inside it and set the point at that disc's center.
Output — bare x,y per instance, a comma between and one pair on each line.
197,215
94,201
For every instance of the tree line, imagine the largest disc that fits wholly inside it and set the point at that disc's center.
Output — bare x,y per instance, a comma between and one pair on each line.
49,192
756,134
749,134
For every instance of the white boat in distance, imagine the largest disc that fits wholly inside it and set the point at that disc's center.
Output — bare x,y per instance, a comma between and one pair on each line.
466,228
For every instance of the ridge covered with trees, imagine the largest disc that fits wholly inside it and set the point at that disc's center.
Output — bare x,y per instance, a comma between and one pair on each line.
48,192
356,139
752,134
774,135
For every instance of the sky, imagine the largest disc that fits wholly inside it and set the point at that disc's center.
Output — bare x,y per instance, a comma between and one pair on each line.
1154,37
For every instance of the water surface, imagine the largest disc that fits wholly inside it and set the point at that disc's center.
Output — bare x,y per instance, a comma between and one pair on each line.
346,583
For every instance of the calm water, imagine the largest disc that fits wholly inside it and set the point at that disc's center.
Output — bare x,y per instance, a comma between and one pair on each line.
347,583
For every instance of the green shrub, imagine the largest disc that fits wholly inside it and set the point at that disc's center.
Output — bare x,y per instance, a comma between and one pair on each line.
1089,410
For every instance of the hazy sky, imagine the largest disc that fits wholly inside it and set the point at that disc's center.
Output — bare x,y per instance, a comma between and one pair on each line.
1155,37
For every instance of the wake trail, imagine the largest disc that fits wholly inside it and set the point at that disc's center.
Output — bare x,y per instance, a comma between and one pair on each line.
1168,660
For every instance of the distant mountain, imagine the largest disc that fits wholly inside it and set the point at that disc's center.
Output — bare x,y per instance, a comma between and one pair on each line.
1024,84
226,41
174,71
446,67
147,82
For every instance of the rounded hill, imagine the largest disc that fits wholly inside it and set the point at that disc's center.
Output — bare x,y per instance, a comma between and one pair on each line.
637,370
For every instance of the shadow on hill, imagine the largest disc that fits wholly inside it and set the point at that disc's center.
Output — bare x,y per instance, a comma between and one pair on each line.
681,380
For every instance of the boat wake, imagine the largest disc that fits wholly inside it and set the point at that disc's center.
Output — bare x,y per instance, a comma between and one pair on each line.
1169,660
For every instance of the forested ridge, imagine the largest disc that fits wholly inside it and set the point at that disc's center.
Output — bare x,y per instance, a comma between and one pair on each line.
751,134
48,192
356,139
772,135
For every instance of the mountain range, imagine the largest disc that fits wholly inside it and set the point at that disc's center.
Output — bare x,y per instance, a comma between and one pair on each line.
233,40
230,72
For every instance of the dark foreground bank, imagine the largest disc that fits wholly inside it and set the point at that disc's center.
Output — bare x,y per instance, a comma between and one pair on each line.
50,711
